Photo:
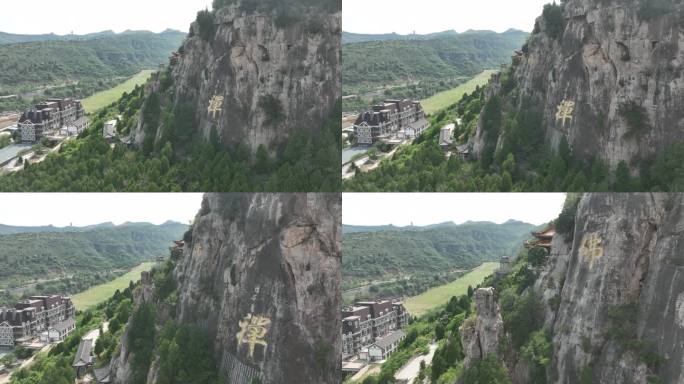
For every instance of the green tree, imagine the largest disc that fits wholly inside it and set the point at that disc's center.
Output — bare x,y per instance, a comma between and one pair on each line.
623,180
486,371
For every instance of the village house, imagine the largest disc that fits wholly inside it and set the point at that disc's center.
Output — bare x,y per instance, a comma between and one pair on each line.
446,135
390,122
109,130
370,321
83,359
58,332
51,116
29,318
382,348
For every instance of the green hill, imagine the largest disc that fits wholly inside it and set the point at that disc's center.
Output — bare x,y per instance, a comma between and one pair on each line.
77,66
36,254
446,56
408,261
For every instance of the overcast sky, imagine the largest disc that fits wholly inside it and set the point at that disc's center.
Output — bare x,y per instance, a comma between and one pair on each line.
422,209
62,209
88,16
427,16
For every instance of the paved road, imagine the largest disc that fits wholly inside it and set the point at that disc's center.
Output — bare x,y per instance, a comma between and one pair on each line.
410,370
95,333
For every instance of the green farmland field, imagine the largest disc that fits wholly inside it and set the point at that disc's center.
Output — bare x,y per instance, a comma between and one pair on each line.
446,98
104,98
433,298
102,292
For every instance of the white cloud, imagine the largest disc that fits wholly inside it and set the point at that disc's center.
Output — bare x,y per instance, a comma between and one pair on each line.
427,16
81,209
88,16
402,209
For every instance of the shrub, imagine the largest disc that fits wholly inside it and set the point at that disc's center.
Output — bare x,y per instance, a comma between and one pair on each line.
636,117
565,224
205,21
486,371
553,20
273,109
650,9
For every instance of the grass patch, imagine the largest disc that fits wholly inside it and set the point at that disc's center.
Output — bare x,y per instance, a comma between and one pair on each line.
447,98
102,292
418,305
104,98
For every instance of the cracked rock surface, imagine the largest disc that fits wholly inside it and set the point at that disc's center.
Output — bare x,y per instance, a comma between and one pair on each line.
266,268
606,56
250,57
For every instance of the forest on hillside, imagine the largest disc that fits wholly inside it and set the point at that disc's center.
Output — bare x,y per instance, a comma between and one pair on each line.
78,68
419,68
410,261
76,259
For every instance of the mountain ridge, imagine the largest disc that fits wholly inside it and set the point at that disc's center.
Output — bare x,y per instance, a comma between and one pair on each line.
352,37
15,38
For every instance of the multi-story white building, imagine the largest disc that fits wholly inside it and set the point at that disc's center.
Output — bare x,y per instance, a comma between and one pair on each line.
51,116
6,335
29,318
391,121
369,321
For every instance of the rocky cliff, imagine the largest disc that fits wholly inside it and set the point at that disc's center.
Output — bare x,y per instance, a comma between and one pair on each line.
261,276
481,335
619,280
253,74
604,74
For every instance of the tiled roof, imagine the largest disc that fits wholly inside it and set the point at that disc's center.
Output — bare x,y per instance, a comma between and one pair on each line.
390,339
83,357
64,325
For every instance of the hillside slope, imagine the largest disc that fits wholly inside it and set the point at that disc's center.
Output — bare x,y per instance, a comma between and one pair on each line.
41,254
437,57
250,102
392,253
42,63
14,38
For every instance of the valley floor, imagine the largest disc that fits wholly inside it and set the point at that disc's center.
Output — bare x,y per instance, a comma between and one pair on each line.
435,297
104,98
100,293
447,98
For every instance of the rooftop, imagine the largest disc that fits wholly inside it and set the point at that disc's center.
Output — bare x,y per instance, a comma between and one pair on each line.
83,357
390,339
64,325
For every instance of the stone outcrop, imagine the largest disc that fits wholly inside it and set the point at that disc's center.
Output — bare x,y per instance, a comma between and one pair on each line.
262,276
609,55
256,62
480,335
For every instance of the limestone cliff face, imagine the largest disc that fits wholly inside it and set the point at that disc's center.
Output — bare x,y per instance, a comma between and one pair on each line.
262,276
606,56
623,260
480,336
626,251
252,62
